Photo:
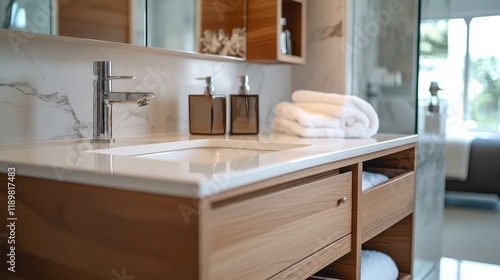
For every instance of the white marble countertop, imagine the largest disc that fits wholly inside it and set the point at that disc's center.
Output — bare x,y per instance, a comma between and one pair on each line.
76,161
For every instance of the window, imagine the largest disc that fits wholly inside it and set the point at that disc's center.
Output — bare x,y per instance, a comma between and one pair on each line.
463,56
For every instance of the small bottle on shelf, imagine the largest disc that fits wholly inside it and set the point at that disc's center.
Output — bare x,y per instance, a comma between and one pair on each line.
285,39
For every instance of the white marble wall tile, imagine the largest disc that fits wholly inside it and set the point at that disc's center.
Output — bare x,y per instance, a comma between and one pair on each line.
46,89
325,69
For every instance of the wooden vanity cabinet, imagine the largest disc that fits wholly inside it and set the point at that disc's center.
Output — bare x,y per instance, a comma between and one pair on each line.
264,27
313,221
383,216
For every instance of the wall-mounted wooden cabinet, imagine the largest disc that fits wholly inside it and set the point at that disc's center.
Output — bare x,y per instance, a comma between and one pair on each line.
264,28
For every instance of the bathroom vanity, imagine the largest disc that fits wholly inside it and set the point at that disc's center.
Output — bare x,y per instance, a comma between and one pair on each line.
257,207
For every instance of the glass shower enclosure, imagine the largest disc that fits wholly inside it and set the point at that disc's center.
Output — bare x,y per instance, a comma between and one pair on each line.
384,68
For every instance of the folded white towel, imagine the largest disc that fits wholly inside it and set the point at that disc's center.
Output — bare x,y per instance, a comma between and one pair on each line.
371,179
294,128
377,266
292,112
357,117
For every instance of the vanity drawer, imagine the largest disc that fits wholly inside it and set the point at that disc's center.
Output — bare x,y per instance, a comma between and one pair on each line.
387,203
258,235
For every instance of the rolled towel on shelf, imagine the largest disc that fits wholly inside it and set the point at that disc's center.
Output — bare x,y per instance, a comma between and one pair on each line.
376,265
316,112
371,179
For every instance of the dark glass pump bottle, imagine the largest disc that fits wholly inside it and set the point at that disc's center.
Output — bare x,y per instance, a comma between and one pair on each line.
244,110
207,112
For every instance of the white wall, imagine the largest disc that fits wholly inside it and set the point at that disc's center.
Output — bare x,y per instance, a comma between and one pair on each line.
46,88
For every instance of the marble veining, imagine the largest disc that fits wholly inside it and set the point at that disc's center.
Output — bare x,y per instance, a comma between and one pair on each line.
46,89
78,129
326,60
328,32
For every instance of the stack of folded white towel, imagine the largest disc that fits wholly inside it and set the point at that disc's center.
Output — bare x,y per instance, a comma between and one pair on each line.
317,114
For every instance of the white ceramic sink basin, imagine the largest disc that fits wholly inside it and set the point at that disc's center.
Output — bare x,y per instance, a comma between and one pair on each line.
203,151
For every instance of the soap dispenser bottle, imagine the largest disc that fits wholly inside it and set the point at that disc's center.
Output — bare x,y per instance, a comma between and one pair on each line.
207,112
244,110
435,112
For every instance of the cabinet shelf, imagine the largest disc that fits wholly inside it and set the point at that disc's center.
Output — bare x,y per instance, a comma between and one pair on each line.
403,276
263,30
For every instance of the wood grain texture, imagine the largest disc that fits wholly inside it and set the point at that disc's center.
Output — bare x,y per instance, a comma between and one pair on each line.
403,276
348,266
95,19
225,15
316,261
262,29
386,204
306,172
73,231
372,214
404,160
397,242
285,227
257,238
263,26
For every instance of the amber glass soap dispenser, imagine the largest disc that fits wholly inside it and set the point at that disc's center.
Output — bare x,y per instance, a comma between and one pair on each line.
244,110
207,112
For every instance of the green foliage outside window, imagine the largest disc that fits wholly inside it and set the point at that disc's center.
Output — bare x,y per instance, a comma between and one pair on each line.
434,39
485,108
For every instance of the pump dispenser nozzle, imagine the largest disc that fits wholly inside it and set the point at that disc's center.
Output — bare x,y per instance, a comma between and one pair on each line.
434,102
209,85
244,87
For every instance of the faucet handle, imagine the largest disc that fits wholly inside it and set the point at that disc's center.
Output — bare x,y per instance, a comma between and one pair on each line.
121,77
102,69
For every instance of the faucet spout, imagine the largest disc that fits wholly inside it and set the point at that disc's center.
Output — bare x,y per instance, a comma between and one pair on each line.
141,98
105,98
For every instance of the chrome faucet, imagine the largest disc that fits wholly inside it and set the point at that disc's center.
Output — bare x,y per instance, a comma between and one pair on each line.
105,98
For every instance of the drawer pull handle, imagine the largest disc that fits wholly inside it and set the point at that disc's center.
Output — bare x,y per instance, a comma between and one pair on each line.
343,200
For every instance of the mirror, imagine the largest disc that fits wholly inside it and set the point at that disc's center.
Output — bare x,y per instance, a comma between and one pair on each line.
201,26
219,26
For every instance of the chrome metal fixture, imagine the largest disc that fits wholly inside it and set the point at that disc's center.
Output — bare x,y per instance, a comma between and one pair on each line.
105,98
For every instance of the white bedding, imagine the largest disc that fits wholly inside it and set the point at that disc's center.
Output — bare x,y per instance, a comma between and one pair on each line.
457,156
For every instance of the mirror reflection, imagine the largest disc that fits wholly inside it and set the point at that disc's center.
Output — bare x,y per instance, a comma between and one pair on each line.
203,26
28,15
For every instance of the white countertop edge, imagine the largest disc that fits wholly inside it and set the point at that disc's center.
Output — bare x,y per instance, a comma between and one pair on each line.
207,189
199,189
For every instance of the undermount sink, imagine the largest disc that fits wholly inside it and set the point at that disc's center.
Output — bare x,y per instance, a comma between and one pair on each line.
202,151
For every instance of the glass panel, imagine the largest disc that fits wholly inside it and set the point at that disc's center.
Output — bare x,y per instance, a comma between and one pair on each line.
198,26
483,100
26,15
442,59
384,64
172,24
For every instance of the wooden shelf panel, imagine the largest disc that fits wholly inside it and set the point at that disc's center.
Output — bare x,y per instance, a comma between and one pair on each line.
403,276
263,30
